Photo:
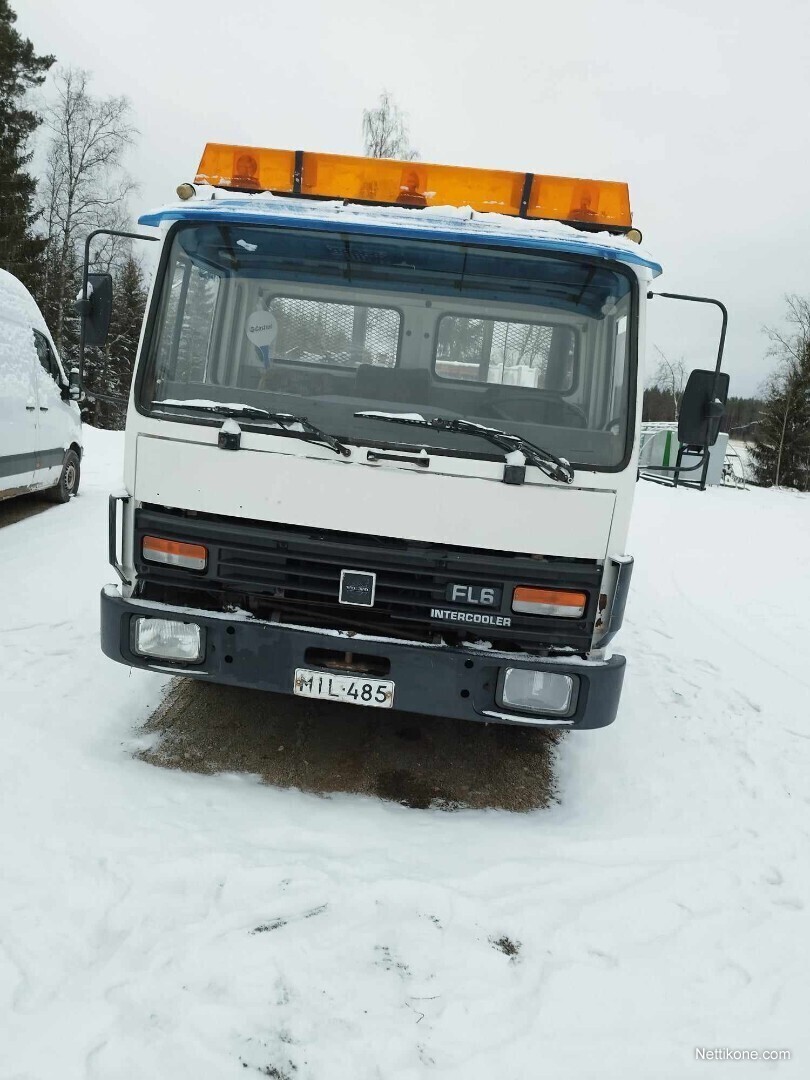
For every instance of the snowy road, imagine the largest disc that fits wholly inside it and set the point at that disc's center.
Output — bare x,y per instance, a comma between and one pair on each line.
160,924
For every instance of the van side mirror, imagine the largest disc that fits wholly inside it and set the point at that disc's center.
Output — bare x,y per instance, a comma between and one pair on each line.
702,407
74,386
96,309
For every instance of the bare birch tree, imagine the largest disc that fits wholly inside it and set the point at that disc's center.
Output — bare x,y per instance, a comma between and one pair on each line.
670,377
84,186
385,131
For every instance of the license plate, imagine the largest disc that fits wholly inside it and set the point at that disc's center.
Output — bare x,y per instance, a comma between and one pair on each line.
356,690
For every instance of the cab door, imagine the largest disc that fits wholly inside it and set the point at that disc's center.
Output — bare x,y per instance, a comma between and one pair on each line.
56,418
19,413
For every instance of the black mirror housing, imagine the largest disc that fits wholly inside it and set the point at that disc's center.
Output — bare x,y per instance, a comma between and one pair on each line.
96,310
702,407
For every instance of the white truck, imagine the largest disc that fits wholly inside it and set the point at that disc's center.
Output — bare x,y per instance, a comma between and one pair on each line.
382,442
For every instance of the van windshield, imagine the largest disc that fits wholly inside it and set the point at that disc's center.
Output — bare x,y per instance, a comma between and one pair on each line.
328,324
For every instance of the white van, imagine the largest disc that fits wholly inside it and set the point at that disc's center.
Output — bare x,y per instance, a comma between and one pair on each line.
40,426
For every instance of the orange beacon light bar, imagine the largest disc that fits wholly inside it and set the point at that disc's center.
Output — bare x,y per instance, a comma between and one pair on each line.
587,204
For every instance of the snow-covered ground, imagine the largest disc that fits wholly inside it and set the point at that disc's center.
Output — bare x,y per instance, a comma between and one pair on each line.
165,925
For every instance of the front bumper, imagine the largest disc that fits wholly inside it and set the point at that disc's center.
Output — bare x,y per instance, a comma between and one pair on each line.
435,680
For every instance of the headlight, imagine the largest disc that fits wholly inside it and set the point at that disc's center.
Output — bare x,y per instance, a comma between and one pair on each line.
561,603
544,692
168,639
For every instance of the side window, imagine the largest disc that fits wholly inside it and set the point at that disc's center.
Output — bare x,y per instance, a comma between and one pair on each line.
46,357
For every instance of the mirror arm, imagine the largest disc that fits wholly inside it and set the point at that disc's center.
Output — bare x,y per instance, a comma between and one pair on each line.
702,300
717,367
83,304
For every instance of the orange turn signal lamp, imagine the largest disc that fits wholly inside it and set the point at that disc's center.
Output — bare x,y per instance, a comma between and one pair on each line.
174,553
588,204
560,603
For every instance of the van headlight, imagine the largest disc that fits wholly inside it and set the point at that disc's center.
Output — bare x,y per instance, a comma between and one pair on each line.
168,639
542,692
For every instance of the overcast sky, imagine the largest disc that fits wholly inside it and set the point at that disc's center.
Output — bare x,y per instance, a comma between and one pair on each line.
701,106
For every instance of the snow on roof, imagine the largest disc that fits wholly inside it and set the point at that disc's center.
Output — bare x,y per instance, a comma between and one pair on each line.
440,222
18,305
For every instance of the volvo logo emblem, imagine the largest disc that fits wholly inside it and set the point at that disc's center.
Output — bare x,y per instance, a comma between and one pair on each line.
357,587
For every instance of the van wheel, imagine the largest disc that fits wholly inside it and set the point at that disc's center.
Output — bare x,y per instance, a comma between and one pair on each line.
69,480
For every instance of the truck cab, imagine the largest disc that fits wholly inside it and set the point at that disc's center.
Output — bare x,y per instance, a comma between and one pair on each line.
381,448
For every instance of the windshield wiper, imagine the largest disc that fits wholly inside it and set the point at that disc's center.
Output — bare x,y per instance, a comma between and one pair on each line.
311,433
554,467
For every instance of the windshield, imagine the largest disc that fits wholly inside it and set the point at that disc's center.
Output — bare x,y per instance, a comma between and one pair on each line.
327,324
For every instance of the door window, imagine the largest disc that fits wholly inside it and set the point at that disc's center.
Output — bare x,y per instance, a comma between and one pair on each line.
46,356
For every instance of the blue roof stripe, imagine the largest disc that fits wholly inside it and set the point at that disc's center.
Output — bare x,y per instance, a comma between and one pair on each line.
431,229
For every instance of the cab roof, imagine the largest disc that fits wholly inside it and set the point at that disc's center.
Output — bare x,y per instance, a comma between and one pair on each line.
459,224
18,305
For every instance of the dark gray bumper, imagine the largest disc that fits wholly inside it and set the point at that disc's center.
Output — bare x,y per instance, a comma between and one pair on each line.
433,680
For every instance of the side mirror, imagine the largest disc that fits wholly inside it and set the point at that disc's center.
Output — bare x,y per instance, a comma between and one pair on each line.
96,310
702,407
74,387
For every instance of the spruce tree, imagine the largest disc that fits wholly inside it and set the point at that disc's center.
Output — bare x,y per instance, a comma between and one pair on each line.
781,450
21,69
780,454
108,371
198,316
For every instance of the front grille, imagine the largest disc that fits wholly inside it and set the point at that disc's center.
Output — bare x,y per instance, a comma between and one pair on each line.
294,572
